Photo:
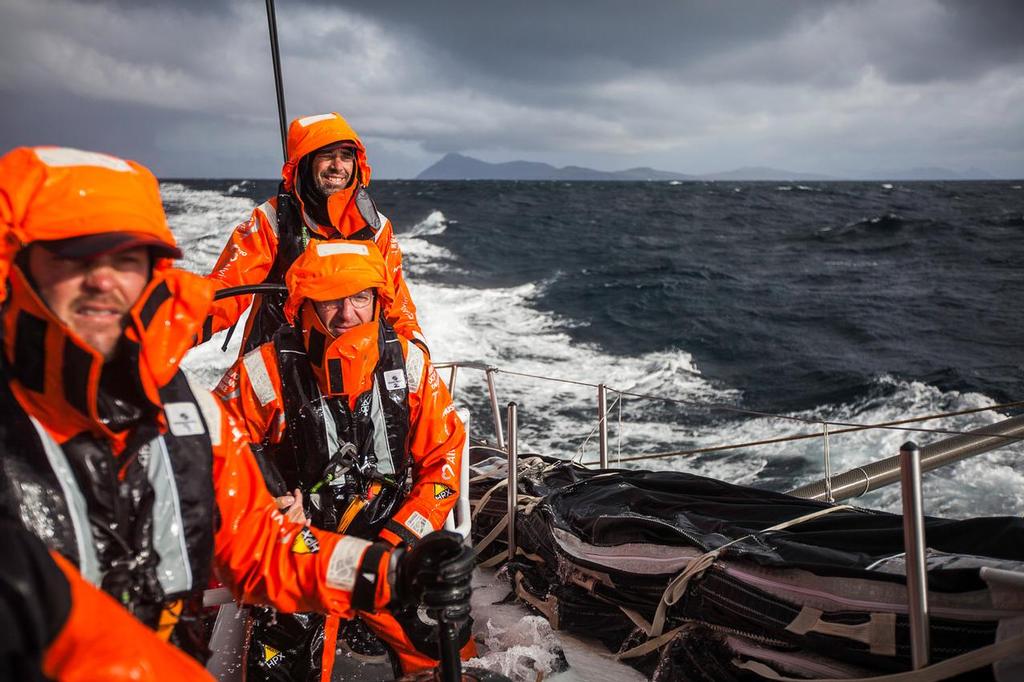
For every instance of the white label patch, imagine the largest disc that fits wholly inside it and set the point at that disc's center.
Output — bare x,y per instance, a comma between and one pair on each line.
307,121
183,419
336,249
418,524
259,377
59,157
341,571
414,363
394,379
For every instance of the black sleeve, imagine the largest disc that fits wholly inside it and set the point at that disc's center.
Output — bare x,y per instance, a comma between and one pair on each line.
35,601
271,475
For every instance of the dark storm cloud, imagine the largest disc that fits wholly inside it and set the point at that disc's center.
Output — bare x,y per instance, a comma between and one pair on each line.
688,86
537,41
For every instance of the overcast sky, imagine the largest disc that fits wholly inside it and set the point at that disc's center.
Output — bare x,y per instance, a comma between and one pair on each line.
840,88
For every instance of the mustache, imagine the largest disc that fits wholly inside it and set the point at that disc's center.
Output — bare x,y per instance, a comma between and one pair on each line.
107,300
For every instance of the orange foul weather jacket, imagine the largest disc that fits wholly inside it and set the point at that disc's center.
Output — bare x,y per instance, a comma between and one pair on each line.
251,391
257,247
58,625
263,557
137,476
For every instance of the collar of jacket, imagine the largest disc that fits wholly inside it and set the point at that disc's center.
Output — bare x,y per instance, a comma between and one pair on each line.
56,375
347,215
342,365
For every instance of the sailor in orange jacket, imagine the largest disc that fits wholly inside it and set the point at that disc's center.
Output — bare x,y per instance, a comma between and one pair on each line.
349,412
323,196
57,625
109,454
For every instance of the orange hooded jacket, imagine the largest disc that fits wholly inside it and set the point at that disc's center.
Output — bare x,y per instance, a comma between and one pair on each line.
58,625
252,392
252,248
51,193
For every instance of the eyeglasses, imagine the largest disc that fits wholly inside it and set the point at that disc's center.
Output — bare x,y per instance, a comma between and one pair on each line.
360,300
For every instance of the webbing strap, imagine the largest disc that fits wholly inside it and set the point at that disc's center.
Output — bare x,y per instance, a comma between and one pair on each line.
677,587
649,646
489,538
486,497
942,670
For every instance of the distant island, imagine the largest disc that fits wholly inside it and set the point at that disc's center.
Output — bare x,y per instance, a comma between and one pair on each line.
459,167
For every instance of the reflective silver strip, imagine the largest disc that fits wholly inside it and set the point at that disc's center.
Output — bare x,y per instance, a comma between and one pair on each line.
270,213
380,230
88,562
259,377
173,571
307,121
209,406
385,459
414,363
336,248
61,157
330,428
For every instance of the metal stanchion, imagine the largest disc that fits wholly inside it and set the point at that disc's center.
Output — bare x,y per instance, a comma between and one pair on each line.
513,477
602,424
494,407
828,464
451,380
914,544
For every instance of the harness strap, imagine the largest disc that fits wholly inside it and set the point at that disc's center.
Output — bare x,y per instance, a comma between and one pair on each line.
365,589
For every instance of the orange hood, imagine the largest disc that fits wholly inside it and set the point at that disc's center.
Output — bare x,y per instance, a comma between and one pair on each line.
327,271
49,193
334,269
306,135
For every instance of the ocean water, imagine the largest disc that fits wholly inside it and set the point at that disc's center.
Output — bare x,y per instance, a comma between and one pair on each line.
739,311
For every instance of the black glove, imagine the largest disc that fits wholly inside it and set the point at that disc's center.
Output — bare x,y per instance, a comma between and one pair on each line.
437,573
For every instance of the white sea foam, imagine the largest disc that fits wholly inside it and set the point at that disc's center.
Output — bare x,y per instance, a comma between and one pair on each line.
435,223
525,648
201,221
500,326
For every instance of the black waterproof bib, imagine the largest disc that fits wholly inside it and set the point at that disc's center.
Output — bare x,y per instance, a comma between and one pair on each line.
140,525
318,426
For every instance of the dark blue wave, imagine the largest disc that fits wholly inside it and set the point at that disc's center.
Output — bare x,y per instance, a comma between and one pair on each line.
796,297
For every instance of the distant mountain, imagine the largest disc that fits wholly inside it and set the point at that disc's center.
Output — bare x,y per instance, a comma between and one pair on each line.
932,173
765,173
459,167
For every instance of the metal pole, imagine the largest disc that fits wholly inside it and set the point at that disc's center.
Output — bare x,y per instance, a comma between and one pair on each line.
282,117
513,477
828,465
451,379
495,411
602,423
914,545
884,472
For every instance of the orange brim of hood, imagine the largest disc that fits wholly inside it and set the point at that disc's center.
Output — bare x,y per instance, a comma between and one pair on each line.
333,269
55,193
309,133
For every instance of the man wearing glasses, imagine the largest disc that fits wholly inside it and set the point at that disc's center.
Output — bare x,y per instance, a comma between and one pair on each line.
355,433
323,195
